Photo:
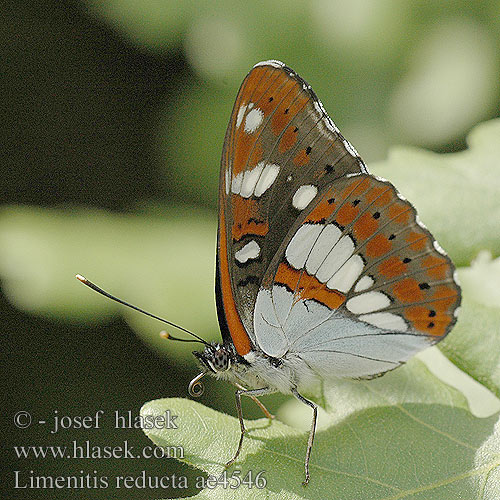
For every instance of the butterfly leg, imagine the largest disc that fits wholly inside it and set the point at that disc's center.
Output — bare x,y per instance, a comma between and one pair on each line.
251,393
259,403
311,433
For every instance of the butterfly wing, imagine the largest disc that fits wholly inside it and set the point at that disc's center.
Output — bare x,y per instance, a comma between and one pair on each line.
359,284
281,149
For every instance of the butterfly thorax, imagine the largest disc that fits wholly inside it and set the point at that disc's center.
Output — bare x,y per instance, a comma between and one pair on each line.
254,370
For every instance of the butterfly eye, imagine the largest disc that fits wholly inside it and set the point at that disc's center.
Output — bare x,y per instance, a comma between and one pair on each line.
221,360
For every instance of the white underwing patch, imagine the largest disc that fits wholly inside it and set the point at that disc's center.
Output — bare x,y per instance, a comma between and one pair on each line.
303,196
253,120
250,251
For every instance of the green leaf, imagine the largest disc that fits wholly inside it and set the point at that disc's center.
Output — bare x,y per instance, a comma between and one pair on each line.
412,450
153,24
474,343
163,264
457,194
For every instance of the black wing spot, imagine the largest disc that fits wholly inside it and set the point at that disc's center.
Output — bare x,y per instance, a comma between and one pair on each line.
308,150
432,313
376,215
331,200
405,261
356,202
430,325
423,286
296,129
286,111
271,99
392,236
256,221
328,169
249,279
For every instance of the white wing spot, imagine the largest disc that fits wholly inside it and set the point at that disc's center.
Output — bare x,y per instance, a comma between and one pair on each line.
227,180
272,62
419,222
301,243
345,277
256,181
341,251
364,283
303,196
386,321
318,107
241,113
250,179
267,178
250,251
250,357
438,247
236,183
367,302
253,120
323,246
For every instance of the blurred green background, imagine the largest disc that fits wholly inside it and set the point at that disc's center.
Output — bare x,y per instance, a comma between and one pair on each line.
114,113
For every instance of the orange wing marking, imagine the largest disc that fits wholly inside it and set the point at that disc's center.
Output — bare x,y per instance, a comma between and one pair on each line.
247,219
282,115
392,267
378,245
407,290
309,287
238,333
428,320
301,158
417,240
364,227
435,266
288,139
346,214
435,317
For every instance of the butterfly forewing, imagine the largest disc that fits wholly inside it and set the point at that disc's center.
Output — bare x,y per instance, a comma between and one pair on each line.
323,270
281,150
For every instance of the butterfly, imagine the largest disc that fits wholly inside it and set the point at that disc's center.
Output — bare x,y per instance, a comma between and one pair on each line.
323,270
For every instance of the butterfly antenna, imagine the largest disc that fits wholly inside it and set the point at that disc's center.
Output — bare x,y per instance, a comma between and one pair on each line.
166,335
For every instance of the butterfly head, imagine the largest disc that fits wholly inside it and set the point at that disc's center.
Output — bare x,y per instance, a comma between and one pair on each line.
215,359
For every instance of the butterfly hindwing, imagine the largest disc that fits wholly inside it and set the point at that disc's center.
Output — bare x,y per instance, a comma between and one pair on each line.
281,150
359,285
